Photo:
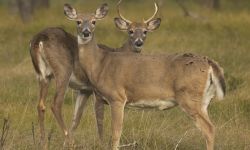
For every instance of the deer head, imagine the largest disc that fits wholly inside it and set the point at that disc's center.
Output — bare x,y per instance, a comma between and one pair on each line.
85,22
137,31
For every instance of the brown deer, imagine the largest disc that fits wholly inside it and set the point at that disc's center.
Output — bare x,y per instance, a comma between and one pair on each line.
137,33
150,81
54,54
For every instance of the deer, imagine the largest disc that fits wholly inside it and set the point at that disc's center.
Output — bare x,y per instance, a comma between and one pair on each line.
162,82
54,54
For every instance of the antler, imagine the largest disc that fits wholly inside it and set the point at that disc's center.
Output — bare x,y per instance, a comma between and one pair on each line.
118,11
156,10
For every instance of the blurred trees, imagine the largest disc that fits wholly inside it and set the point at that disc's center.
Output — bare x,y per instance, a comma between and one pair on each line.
213,4
210,4
40,3
26,8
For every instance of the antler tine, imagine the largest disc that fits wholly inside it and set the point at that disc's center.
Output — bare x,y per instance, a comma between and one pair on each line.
118,11
156,10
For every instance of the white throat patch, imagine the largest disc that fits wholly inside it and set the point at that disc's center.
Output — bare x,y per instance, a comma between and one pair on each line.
81,41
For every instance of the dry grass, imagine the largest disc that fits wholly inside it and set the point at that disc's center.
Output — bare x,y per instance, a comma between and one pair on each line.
223,36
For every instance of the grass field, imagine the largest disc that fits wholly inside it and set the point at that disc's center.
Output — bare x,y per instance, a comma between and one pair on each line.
222,35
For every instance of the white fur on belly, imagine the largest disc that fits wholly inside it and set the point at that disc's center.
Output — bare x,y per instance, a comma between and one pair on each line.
75,83
159,104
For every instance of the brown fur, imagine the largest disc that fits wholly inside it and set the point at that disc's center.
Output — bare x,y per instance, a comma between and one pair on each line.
61,51
85,23
123,78
187,80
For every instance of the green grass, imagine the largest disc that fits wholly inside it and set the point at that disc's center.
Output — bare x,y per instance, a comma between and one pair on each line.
222,35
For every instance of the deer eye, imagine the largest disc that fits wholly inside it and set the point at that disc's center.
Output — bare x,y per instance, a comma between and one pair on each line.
145,32
78,22
130,31
93,22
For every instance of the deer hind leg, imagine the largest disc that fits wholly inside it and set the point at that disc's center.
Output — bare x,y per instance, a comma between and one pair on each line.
207,128
61,87
192,106
81,101
44,85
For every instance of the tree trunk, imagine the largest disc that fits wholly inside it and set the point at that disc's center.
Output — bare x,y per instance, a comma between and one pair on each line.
41,3
216,4
213,4
25,9
12,6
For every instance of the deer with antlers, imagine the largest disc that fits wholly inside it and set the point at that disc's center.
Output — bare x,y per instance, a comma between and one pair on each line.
54,54
137,32
149,81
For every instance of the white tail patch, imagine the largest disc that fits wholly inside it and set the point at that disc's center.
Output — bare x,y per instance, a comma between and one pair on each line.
209,90
40,45
43,67
212,87
219,91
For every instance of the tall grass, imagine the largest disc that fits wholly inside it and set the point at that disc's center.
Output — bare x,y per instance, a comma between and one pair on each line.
222,35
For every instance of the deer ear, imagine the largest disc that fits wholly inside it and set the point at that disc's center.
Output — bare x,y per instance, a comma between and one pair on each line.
102,11
70,12
121,24
153,24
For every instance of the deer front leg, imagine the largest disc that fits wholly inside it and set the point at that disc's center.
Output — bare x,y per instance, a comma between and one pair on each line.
99,112
117,113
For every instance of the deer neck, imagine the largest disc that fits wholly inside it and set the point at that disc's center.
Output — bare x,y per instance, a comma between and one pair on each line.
90,57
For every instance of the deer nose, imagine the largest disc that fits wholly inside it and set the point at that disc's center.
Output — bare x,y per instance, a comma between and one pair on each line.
86,33
139,43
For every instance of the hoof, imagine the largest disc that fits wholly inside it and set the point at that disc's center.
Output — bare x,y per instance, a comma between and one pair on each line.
69,143
43,145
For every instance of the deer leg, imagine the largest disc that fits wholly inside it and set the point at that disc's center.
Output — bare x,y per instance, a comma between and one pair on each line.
44,85
81,101
99,112
117,113
201,119
207,128
61,86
